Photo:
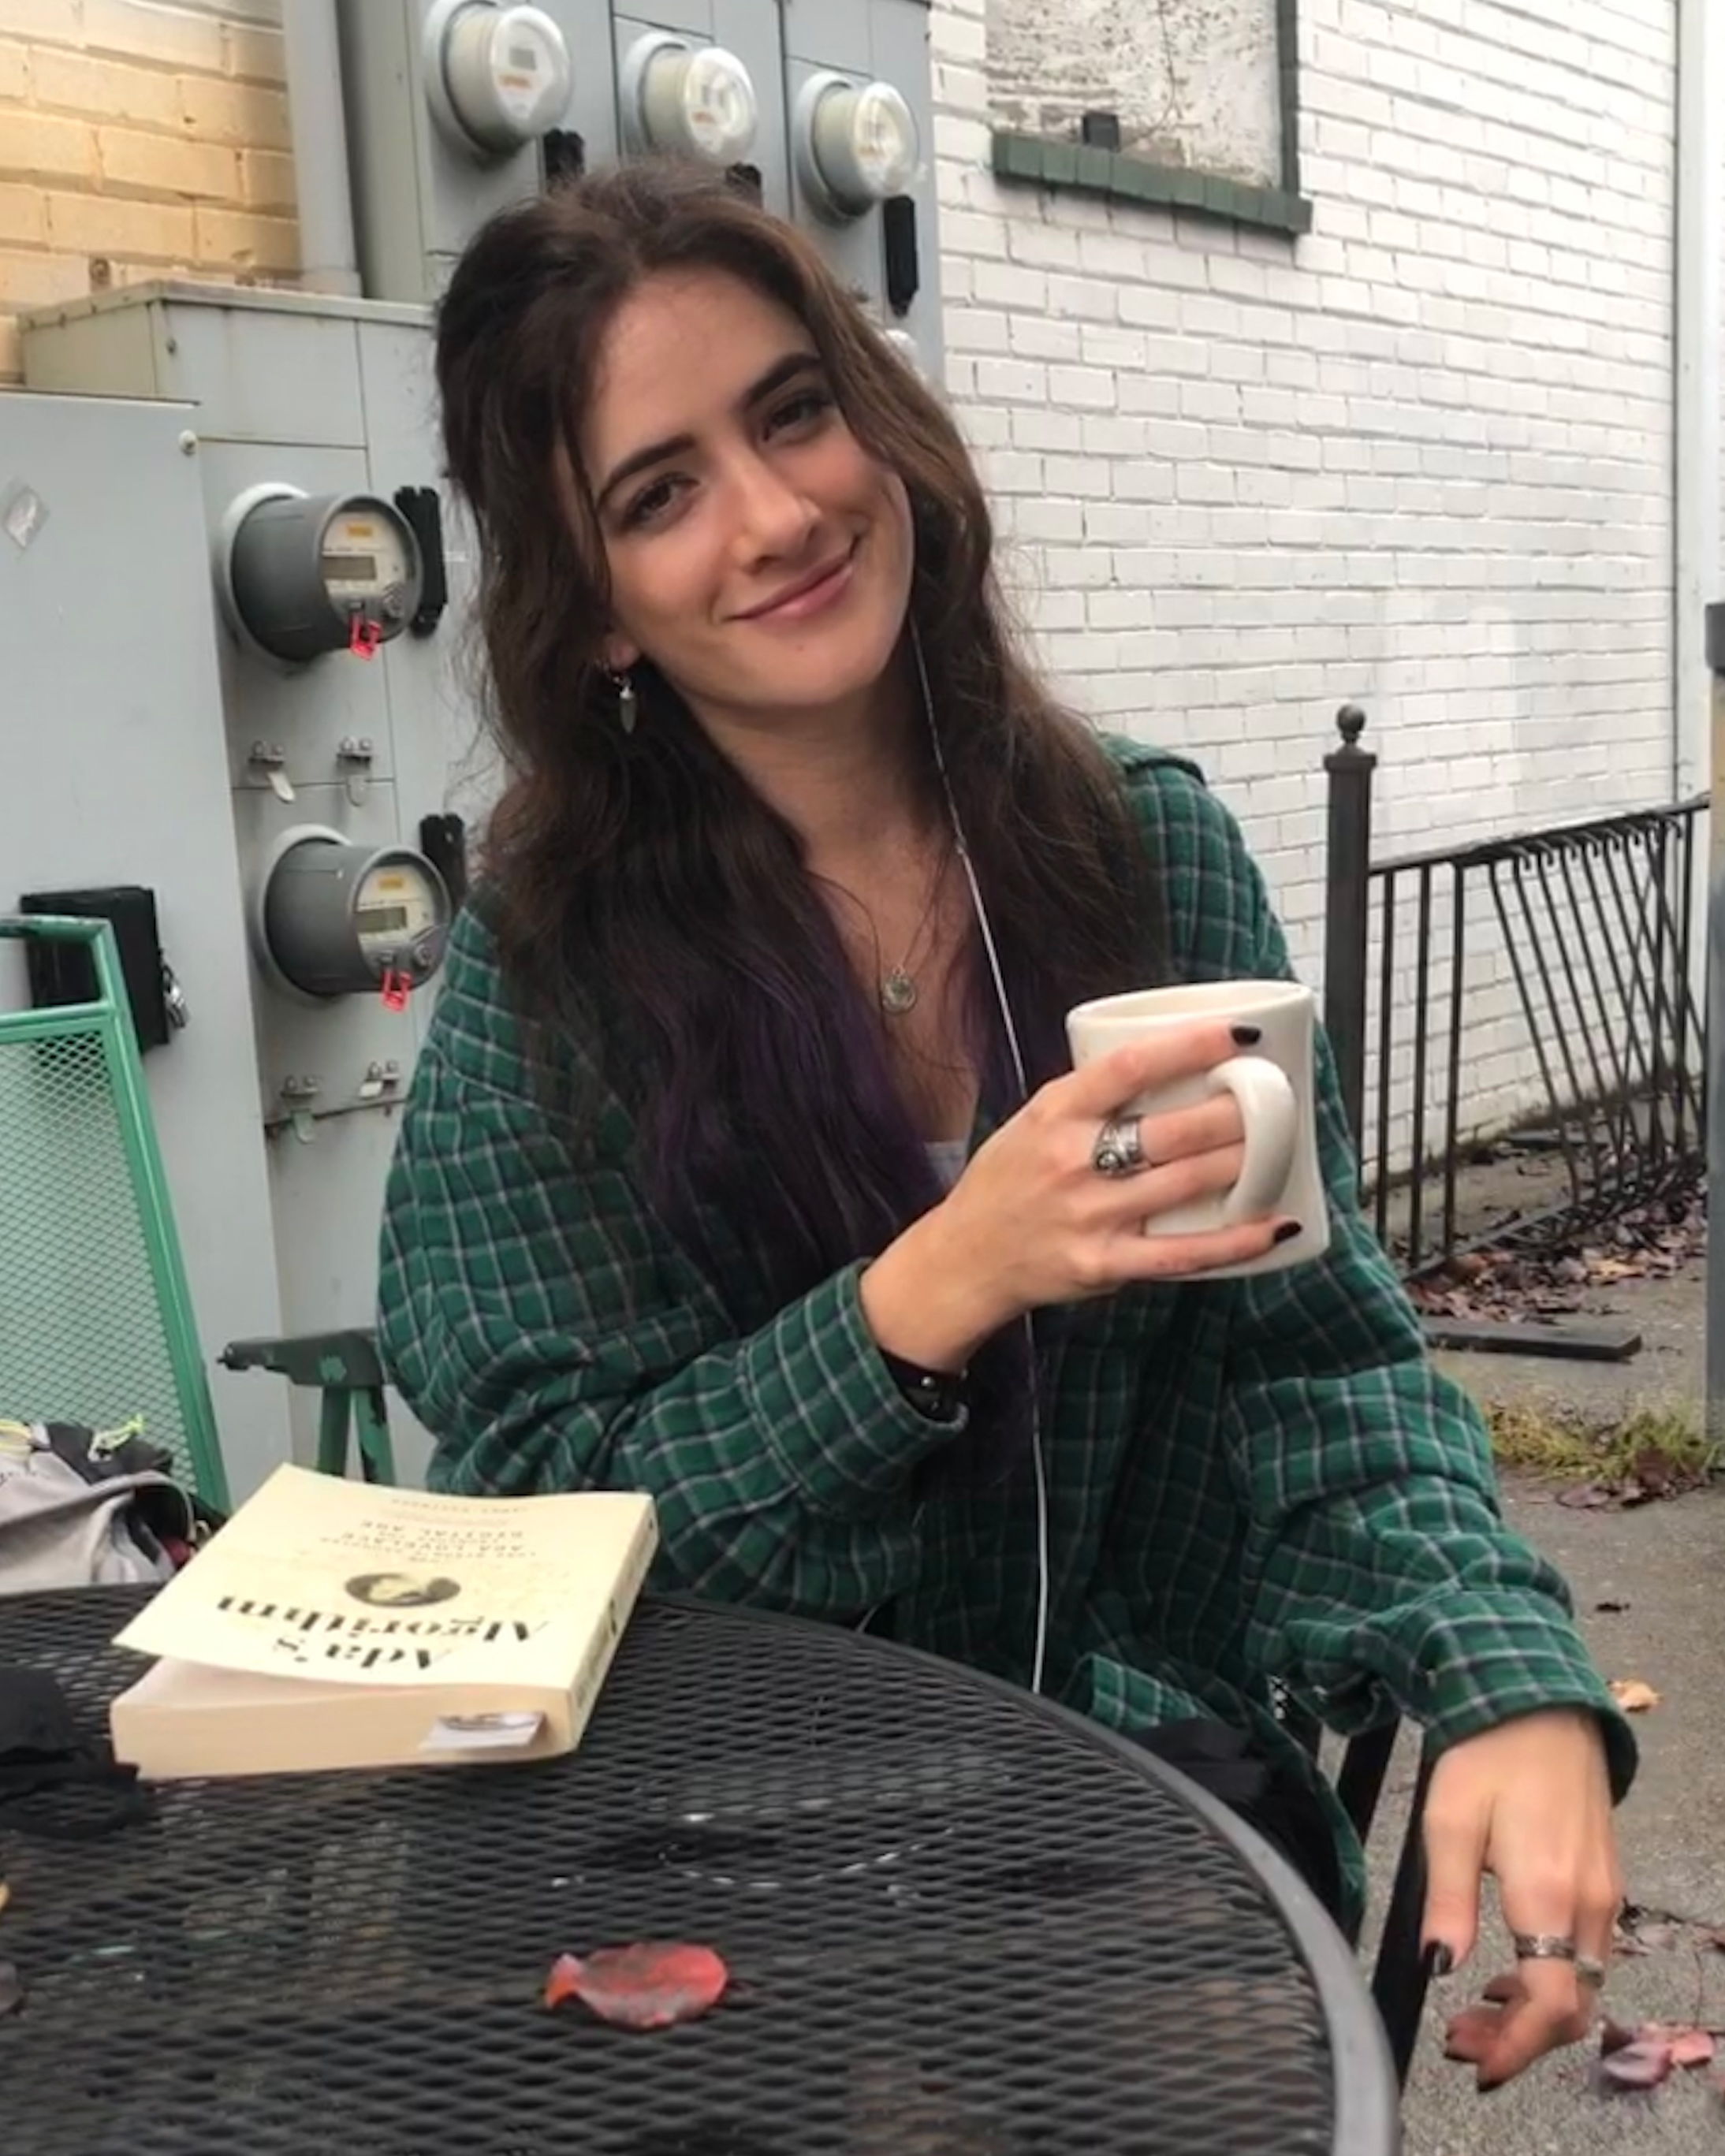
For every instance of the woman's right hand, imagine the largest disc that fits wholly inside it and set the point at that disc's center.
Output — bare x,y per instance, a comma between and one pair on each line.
1031,1222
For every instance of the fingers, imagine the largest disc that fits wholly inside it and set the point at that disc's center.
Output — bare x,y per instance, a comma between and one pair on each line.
1103,1088
1131,1203
1156,1257
1454,1858
1184,1133
1193,1153
1549,2007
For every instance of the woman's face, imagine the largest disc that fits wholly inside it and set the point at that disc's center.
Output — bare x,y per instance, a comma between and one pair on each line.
759,555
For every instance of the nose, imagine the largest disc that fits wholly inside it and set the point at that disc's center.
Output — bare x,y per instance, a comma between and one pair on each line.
772,517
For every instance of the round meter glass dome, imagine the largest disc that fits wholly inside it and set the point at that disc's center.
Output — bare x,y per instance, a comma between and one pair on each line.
340,918
693,101
301,574
857,144
497,77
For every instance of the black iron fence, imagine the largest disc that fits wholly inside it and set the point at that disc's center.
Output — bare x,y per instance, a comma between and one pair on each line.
1562,961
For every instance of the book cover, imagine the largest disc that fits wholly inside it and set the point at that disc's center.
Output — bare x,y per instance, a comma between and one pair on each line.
339,1624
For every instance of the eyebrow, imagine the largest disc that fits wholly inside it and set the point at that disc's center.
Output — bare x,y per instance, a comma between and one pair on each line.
777,376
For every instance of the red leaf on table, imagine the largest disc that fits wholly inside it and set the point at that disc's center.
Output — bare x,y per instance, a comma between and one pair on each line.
1640,2064
652,1986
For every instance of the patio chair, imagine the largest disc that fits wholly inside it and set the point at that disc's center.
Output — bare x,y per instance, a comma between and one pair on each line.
1399,1976
95,1321
344,1369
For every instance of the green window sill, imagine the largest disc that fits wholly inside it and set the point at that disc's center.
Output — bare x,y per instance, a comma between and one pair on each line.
1117,177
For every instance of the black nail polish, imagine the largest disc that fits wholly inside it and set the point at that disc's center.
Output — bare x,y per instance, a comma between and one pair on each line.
1247,1036
1438,1961
1287,1231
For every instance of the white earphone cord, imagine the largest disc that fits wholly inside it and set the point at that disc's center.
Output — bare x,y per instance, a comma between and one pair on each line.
1040,1656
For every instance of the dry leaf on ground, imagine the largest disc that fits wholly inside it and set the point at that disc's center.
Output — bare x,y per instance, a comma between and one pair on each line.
1633,1696
1640,2064
1641,2058
1692,2047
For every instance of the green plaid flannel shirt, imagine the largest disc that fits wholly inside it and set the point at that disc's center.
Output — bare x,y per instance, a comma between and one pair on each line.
1249,1480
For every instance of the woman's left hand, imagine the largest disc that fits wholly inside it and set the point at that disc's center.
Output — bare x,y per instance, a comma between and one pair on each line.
1530,1802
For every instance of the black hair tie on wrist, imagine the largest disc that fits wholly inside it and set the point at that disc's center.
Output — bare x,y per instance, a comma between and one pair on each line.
937,1394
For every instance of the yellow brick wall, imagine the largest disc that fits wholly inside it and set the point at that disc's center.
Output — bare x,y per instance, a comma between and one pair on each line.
139,139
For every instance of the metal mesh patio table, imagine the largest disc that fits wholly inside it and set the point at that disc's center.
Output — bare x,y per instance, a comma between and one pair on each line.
957,1920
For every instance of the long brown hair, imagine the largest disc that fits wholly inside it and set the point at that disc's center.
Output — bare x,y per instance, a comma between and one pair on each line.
643,895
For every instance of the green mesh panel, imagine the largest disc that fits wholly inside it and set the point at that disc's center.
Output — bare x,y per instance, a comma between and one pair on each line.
81,1334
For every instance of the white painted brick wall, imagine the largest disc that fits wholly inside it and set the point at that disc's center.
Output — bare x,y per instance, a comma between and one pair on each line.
1420,459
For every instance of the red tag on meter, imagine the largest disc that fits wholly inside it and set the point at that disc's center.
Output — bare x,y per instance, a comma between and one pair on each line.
364,636
395,989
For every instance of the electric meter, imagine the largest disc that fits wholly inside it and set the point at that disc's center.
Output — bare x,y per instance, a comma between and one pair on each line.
697,101
497,78
856,144
337,918
303,574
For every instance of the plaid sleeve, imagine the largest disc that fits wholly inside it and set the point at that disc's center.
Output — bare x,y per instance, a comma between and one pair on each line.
541,1325
1378,1566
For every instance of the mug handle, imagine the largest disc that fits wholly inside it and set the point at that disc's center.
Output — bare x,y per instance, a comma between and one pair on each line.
1271,1114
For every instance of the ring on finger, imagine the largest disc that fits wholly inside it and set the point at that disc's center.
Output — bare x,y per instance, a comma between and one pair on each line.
1119,1149
1542,1946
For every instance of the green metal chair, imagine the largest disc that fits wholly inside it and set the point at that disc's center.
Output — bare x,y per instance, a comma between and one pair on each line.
344,1367
95,1320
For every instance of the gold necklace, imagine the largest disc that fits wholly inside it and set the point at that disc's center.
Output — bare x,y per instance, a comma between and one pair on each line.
898,991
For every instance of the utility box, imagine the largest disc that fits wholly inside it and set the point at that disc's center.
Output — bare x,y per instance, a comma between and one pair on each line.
824,107
294,400
112,756
840,52
430,163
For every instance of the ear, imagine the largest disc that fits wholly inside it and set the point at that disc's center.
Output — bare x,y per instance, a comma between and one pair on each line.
619,653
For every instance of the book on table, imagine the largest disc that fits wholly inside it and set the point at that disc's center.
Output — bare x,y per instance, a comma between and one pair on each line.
331,1623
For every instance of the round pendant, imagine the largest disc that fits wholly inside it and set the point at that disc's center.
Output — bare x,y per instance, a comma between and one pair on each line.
898,993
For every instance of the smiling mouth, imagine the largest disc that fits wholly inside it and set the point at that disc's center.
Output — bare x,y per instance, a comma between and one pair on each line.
813,587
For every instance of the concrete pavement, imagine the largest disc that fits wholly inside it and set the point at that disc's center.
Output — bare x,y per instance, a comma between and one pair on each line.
1666,1563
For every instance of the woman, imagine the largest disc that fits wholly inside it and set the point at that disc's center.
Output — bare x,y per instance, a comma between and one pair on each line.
743,1165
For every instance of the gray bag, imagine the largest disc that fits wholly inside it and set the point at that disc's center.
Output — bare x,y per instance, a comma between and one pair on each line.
76,1513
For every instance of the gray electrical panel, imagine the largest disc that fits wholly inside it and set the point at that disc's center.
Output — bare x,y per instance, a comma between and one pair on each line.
421,191
110,772
327,396
875,41
418,195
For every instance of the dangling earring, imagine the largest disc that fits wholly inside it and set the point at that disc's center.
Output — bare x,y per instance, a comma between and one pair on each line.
627,703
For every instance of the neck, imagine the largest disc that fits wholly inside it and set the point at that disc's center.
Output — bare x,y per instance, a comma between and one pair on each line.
846,777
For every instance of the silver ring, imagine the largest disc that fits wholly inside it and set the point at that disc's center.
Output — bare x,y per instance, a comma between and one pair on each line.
1590,1972
1542,1946
1118,1149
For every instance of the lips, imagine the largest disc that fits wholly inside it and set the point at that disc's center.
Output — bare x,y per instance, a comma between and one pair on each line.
813,586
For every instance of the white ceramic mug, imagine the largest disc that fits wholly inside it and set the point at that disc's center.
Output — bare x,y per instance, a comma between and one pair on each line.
1273,1080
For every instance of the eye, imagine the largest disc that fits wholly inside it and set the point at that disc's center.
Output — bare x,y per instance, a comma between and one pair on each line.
803,411
653,504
